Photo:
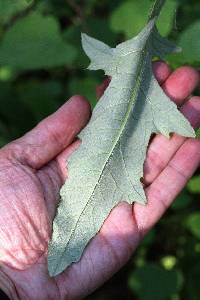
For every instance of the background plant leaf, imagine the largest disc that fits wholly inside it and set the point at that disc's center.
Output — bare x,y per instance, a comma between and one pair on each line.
194,185
9,8
193,224
190,43
130,17
35,42
150,282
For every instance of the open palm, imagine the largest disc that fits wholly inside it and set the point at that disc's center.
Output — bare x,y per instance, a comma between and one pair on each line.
33,170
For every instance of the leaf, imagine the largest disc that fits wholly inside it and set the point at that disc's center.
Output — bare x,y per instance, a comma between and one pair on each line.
9,8
193,224
198,133
6,74
168,262
194,185
153,282
35,42
190,43
167,18
109,164
131,16
96,26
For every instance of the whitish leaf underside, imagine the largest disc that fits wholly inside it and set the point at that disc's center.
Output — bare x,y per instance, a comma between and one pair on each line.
108,166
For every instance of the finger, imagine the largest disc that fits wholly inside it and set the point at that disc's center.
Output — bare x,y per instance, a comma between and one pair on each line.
62,158
102,87
161,150
181,83
52,135
168,184
161,71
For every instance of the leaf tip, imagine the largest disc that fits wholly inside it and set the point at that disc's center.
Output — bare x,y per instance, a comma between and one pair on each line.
52,264
53,271
84,37
143,201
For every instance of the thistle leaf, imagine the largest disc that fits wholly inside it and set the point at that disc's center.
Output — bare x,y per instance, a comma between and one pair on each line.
108,166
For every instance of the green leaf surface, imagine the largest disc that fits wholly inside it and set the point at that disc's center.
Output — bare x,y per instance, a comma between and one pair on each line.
194,185
193,224
130,17
108,166
35,42
9,8
152,282
190,43
198,133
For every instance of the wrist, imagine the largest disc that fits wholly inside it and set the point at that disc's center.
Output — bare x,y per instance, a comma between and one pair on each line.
8,287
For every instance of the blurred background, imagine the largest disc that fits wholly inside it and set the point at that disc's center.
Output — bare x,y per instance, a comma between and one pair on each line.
42,64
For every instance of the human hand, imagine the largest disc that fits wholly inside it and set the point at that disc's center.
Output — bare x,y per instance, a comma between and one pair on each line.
32,172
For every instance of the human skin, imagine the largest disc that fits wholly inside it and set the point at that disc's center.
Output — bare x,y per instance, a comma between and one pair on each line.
32,170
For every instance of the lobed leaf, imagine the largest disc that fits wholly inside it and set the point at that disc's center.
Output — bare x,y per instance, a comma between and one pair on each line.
35,42
108,167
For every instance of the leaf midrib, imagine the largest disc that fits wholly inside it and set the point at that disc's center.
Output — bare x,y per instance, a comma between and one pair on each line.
123,125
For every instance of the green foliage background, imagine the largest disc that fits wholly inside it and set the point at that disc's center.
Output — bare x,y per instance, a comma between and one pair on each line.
42,64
